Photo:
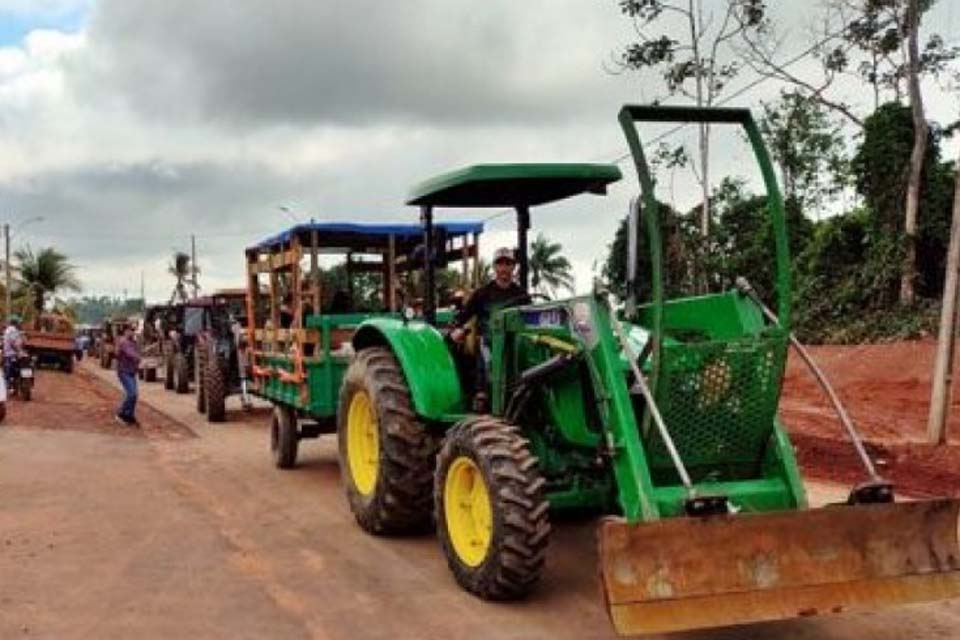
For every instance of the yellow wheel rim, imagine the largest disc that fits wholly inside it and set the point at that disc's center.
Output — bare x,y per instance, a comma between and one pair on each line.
363,446
466,505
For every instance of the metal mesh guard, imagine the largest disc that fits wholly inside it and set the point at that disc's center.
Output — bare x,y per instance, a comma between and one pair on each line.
719,400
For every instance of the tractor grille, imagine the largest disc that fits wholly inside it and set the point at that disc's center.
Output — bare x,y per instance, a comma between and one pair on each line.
718,400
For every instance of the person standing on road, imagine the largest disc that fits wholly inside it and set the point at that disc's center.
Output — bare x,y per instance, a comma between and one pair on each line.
128,362
12,345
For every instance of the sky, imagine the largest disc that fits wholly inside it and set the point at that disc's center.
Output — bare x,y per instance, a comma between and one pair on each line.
129,125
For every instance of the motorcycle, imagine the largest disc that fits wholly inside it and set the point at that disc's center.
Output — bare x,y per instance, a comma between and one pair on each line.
20,382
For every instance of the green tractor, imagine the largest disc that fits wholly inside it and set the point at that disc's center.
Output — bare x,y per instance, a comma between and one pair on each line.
662,417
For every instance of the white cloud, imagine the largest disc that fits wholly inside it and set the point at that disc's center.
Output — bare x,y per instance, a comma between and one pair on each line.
162,119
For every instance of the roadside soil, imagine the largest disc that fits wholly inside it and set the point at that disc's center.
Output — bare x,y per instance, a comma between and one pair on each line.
886,390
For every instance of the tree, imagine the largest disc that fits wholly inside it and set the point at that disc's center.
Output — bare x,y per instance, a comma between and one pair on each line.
549,271
180,269
44,274
809,148
909,275
876,41
946,338
700,67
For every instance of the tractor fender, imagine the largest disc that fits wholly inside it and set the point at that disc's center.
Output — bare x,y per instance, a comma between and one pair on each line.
427,364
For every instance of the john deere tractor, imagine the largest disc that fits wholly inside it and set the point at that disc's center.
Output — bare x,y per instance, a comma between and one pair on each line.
661,416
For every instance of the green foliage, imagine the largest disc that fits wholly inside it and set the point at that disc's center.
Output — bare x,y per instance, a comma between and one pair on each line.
880,169
549,270
95,309
808,146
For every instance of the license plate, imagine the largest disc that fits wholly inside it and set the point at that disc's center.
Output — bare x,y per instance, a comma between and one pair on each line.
26,373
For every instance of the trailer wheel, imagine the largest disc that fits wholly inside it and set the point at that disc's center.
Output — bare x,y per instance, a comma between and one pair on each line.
216,385
386,454
181,370
168,372
284,437
491,513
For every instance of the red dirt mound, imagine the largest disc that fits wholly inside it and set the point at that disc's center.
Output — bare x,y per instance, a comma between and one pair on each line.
886,390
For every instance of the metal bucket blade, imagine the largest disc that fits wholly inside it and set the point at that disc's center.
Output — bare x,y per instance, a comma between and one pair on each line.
691,573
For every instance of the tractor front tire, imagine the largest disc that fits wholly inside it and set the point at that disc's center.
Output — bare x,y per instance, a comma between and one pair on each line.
386,455
284,437
491,513
168,372
216,387
181,370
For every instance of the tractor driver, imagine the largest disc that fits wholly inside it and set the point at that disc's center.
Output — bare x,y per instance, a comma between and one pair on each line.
500,293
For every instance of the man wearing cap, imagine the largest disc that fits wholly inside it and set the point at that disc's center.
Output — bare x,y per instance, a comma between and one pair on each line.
500,293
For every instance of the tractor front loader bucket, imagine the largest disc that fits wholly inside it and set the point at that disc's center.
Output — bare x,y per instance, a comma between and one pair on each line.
689,573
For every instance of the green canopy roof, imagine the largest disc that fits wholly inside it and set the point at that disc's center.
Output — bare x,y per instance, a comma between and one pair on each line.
513,185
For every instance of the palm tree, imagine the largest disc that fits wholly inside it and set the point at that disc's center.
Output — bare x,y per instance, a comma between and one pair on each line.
44,274
181,270
549,271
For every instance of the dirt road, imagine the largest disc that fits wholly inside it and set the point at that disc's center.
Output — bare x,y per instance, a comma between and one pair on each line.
110,533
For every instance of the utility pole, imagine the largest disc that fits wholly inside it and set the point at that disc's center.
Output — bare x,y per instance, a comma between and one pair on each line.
946,340
6,265
193,263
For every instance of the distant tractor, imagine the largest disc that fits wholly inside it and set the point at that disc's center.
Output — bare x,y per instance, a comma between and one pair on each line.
300,326
181,323
52,340
223,355
662,416
151,339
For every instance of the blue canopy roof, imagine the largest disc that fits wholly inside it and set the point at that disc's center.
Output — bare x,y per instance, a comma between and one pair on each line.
347,233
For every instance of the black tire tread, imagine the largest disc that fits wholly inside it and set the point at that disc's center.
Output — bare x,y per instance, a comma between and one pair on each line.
200,377
521,527
284,437
181,373
401,502
215,382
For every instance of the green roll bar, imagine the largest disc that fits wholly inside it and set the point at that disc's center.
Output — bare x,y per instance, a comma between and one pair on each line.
629,116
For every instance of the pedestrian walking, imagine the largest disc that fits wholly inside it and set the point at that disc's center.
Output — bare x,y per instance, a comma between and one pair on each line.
128,362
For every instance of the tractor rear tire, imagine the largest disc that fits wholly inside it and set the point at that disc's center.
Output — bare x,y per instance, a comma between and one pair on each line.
388,477
284,437
168,372
199,364
181,370
494,538
216,386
